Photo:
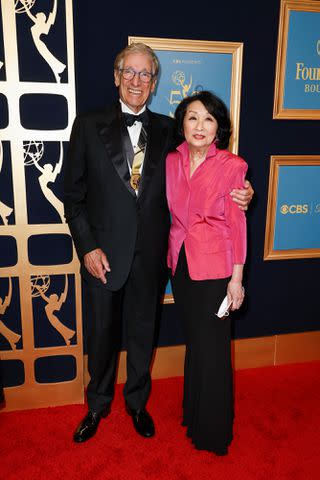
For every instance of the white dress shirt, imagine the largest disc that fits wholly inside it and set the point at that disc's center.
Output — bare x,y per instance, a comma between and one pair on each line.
134,130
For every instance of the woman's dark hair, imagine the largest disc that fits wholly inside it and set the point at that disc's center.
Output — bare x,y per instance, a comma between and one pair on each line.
216,107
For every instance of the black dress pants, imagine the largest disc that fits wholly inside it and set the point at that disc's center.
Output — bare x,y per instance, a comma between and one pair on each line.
135,306
208,383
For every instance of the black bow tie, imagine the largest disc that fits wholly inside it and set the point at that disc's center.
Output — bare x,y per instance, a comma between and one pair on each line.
130,118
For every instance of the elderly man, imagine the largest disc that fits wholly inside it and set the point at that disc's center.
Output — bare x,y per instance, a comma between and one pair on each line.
116,208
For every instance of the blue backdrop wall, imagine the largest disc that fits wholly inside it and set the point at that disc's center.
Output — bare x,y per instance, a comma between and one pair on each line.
281,295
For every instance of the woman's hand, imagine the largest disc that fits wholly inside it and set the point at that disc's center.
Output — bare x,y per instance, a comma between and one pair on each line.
235,292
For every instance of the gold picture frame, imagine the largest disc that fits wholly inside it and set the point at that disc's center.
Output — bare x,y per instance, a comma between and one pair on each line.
278,211
235,49
190,48
296,85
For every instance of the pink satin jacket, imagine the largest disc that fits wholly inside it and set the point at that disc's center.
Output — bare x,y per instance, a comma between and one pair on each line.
204,216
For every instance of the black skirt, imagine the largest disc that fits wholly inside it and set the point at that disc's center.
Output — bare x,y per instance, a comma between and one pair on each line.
208,379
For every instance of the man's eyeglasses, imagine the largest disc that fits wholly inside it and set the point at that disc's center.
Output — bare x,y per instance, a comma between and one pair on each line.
129,74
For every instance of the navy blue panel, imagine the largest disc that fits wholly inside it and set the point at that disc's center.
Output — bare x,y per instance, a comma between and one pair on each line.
42,111
58,368
281,296
8,251
170,330
54,318
44,181
11,337
54,249
7,216
4,117
270,286
47,63
12,373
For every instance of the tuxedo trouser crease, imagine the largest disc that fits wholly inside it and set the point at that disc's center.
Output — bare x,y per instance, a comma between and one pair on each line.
134,306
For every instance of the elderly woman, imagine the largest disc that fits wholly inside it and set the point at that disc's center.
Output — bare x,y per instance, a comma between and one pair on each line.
207,250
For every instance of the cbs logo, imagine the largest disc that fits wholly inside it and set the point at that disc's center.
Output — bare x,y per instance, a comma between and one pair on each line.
294,209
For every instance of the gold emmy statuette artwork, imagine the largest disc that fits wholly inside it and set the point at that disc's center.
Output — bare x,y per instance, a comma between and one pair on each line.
42,292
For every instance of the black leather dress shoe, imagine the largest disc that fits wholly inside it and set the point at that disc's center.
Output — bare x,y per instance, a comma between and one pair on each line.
220,452
142,422
88,426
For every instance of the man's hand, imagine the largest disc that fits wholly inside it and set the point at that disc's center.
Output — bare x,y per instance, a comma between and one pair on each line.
243,196
97,264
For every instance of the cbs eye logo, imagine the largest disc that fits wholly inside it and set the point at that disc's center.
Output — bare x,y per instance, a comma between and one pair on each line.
284,209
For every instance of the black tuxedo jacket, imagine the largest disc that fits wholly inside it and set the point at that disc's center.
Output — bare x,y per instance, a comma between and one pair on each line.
101,208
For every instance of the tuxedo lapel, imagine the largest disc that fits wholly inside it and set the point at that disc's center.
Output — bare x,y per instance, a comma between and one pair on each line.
154,152
114,135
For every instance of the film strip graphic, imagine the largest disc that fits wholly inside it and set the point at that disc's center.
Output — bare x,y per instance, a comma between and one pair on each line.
41,351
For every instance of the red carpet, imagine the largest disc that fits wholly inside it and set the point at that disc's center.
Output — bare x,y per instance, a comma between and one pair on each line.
277,436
